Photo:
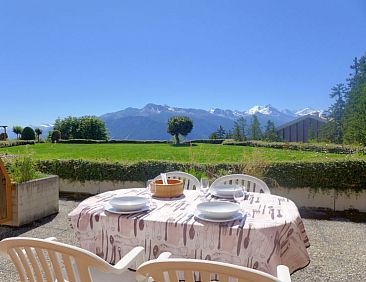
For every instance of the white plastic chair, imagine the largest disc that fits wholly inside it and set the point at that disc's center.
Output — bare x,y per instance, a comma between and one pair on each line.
47,260
251,183
190,182
190,270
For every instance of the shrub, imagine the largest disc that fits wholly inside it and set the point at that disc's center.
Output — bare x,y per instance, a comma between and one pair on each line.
207,141
315,147
90,141
55,136
3,136
340,175
28,134
16,143
23,169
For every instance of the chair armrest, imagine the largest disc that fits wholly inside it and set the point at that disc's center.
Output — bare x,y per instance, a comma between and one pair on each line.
136,254
283,273
164,255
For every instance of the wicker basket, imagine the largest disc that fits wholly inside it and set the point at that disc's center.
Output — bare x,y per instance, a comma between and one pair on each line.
174,188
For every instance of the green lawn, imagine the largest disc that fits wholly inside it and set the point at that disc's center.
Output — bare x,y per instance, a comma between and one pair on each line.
199,153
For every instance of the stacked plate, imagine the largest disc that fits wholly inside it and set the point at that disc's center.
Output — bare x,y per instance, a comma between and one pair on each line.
127,204
218,211
224,191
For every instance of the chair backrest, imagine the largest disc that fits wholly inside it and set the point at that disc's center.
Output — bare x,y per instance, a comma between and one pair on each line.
36,259
190,182
251,183
191,270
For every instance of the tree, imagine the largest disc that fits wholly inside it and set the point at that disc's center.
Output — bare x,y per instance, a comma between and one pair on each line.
55,136
87,127
239,129
327,132
28,133
354,124
270,133
38,132
332,131
17,129
255,129
213,135
69,127
228,135
312,134
221,132
179,125
92,128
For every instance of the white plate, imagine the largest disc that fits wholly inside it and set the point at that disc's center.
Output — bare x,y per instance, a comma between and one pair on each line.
128,203
111,209
218,209
201,216
225,190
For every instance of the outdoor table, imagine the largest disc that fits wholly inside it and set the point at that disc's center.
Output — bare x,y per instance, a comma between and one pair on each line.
271,233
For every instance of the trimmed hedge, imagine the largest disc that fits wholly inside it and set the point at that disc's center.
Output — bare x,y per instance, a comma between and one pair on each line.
16,143
206,141
340,175
324,148
90,141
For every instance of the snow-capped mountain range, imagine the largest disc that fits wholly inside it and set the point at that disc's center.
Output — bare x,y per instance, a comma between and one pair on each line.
149,122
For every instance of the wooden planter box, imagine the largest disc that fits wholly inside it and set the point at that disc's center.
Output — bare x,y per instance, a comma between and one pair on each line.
34,199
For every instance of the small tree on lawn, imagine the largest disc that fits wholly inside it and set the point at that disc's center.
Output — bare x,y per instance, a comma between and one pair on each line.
179,125
17,130
28,134
38,132
55,136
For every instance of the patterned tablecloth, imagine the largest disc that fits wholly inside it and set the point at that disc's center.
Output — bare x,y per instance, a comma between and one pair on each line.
270,234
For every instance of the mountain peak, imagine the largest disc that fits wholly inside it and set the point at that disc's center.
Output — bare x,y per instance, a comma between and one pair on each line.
264,110
308,111
154,108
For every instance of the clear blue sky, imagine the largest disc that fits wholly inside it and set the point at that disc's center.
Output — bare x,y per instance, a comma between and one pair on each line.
60,58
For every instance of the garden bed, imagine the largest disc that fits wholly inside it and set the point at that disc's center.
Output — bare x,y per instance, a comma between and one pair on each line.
34,199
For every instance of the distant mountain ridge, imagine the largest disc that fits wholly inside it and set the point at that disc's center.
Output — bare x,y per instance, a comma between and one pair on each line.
150,121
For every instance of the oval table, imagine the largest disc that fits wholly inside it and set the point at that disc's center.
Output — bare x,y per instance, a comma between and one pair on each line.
271,232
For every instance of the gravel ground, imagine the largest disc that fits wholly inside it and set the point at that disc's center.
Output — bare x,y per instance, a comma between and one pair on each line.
337,251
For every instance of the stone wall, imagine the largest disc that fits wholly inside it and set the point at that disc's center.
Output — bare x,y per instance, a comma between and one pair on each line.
34,199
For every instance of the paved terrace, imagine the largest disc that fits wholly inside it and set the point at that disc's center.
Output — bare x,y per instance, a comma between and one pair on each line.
337,251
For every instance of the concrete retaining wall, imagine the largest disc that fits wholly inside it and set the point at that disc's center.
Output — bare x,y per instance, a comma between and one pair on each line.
332,199
34,199
302,197
96,187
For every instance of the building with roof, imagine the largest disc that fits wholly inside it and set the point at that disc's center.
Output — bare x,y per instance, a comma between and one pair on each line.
301,130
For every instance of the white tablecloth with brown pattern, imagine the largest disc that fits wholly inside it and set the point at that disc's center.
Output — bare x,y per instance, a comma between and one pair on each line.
271,233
